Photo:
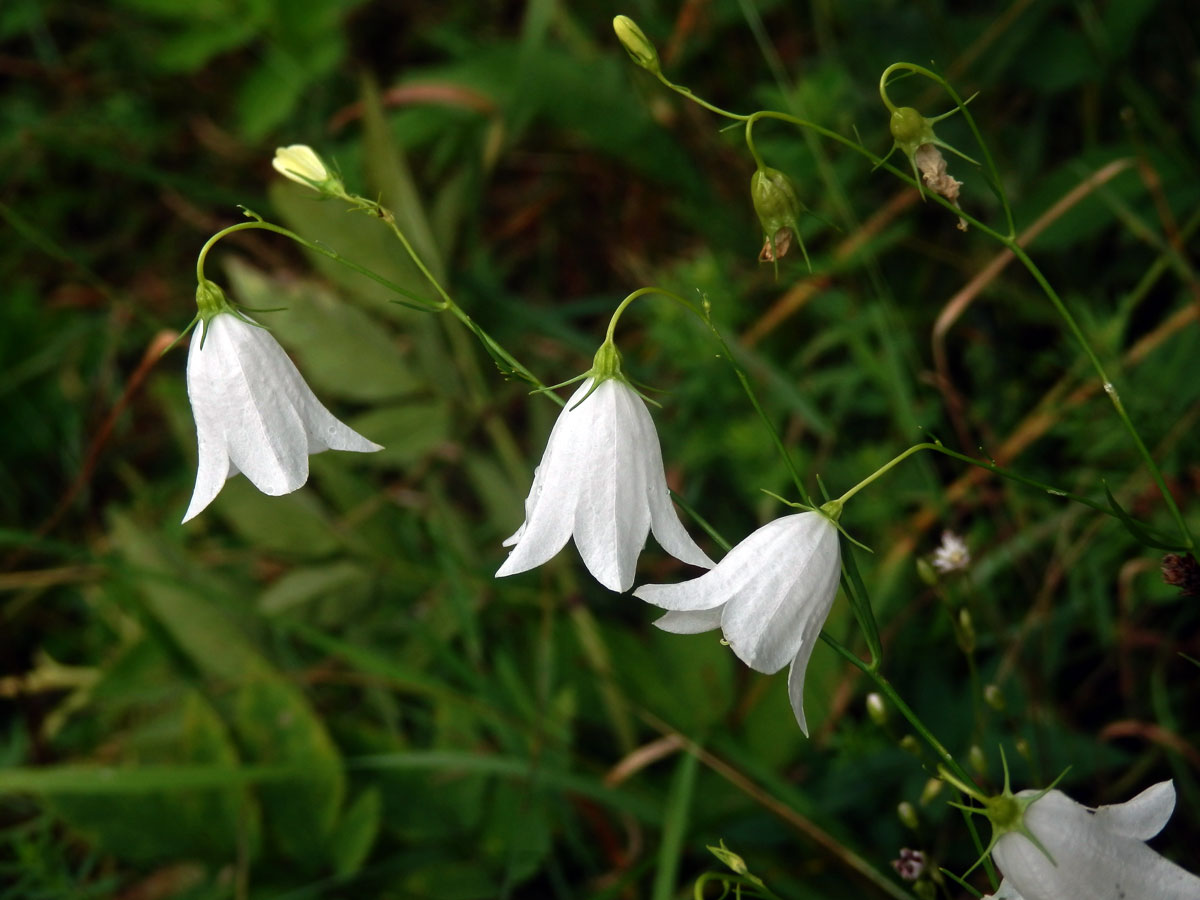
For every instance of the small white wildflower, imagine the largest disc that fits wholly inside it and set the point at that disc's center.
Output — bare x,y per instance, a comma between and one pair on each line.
952,555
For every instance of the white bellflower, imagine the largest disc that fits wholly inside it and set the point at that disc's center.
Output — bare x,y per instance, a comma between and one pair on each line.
601,482
770,597
1099,854
254,413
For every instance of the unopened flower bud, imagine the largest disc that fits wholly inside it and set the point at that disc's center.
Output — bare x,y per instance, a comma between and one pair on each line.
1024,750
300,163
932,788
993,697
926,572
636,44
966,631
731,859
910,744
876,710
908,815
976,760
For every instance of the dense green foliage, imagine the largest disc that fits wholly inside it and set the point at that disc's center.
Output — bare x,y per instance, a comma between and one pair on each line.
327,694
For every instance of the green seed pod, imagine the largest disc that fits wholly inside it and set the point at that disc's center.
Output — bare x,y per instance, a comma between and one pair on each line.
778,209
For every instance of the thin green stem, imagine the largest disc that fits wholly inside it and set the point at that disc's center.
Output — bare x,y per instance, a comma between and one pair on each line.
413,301
871,670
1109,388
642,292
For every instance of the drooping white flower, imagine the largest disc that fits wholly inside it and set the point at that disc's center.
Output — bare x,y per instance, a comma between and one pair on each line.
952,555
254,413
601,481
770,597
1098,854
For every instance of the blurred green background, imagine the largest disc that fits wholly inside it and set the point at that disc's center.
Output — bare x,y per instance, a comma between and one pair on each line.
327,694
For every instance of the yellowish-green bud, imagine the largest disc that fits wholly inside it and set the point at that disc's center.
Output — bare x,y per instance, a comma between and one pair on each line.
300,163
993,696
932,788
976,760
910,744
876,710
926,572
636,44
908,815
966,631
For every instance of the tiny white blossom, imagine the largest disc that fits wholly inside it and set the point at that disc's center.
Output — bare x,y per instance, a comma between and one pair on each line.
953,554
601,481
770,597
254,413
1098,854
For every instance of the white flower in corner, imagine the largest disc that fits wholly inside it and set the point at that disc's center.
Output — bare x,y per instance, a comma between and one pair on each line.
770,597
254,413
601,481
1097,854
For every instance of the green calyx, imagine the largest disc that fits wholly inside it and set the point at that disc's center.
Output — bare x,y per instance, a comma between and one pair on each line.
1005,811
211,300
606,363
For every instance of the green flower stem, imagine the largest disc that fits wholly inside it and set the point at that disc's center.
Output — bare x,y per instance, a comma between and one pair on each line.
991,467
871,670
412,301
642,292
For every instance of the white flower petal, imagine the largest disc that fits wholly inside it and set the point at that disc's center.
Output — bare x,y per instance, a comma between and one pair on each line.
690,621
810,634
799,563
1089,859
1142,817
597,481
254,413
612,517
1005,892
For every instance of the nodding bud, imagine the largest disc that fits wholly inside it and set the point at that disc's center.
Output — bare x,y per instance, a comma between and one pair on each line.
636,44
778,208
932,788
994,697
976,760
876,709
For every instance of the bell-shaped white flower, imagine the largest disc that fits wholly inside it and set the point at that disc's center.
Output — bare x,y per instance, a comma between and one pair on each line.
1099,854
601,481
254,413
770,597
